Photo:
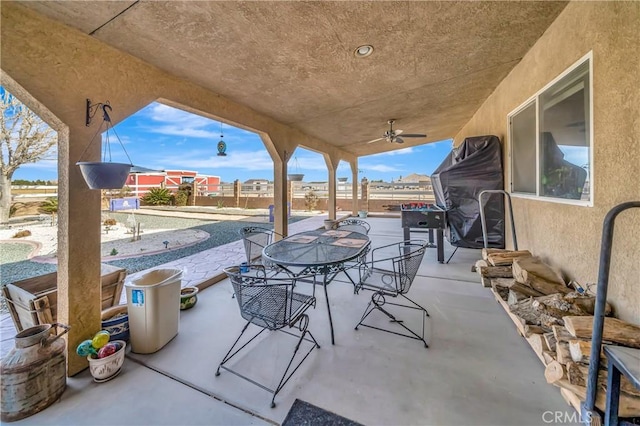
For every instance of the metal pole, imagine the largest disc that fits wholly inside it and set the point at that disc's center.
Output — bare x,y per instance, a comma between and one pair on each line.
601,300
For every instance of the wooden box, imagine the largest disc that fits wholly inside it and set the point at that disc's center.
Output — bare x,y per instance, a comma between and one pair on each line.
34,301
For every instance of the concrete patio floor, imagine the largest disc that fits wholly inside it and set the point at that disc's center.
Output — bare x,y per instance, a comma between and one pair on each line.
477,370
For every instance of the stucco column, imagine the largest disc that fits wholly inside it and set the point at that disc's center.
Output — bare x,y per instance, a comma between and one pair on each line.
332,165
79,289
280,196
354,187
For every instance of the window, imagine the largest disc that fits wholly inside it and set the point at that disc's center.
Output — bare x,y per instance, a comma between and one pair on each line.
551,143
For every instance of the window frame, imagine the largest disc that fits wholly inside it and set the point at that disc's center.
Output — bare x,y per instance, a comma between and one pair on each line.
535,99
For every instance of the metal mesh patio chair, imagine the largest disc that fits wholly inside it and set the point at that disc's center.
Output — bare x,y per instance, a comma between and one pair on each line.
355,225
270,304
255,238
391,276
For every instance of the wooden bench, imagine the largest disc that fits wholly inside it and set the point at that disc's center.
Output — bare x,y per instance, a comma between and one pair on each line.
34,301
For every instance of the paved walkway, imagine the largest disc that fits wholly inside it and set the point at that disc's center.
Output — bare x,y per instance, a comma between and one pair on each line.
207,266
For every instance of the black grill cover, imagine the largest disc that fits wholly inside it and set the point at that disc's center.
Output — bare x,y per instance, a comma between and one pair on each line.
469,169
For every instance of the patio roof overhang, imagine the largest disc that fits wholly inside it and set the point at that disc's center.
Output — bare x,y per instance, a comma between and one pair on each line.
433,65
283,69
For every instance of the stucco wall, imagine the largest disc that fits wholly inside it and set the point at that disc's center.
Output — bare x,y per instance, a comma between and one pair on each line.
569,236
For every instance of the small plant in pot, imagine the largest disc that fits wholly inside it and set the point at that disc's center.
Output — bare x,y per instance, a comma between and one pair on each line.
188,297
104,355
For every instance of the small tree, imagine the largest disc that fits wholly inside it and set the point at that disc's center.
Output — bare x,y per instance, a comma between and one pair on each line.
24,138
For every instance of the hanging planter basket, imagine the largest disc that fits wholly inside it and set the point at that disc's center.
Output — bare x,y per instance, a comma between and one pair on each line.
103,174
295,177
100,175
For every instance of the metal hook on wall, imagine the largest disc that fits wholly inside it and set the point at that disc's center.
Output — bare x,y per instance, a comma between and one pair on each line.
92,109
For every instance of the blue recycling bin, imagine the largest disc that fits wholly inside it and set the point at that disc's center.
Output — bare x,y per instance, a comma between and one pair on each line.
271,208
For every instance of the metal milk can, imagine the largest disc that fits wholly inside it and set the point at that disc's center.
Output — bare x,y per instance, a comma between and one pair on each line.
34,372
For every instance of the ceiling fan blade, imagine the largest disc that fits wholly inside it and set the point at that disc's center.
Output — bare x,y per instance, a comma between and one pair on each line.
397,132
375,140
414,135
398,139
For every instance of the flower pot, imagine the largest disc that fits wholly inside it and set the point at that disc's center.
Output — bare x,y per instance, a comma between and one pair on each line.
188,297
103,369
116,321
362,213
295,177
100,175
329,224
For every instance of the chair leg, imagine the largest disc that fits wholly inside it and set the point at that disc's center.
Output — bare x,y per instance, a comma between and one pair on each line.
454,252
417,305
230,355
302,324
378,301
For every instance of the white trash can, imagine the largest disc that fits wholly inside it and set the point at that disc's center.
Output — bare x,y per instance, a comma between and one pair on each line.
153,303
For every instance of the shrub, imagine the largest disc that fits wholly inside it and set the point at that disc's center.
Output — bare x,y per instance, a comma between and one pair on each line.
181,198
113,252
157,197
50,205
109,222
220,204
21,234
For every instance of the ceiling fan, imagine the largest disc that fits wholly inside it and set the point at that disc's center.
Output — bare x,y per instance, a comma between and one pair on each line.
393,136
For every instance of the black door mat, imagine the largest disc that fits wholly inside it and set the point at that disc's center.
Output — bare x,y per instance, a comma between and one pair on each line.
305,414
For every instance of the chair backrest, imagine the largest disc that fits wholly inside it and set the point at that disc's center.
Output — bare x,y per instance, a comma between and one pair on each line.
264,301
255,239
355,225
407,263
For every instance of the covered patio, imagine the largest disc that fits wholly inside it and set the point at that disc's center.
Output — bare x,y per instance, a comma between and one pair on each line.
477,370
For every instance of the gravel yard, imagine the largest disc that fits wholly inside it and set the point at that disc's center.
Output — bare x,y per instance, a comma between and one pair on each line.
220,232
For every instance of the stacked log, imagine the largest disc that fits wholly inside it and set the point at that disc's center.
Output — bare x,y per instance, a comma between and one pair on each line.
502,258
496,263
534,273
557,323
570,369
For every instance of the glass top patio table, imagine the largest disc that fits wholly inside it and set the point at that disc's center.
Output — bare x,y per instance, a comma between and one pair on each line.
322,252
317,249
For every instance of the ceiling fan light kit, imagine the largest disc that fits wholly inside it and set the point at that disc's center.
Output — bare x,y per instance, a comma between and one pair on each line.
393,136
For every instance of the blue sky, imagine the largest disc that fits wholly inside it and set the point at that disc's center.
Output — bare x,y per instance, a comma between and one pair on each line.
162,137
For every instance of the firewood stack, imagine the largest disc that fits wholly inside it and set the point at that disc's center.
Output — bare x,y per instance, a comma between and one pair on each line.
557,322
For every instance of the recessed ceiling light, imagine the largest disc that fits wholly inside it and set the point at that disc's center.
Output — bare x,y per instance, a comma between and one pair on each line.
363,51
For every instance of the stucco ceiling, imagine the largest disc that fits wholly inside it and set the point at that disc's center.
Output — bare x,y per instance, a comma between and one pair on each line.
434,63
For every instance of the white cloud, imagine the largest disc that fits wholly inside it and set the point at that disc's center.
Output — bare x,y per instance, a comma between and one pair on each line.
207,159
176,122
307,163
404,151
384,168
185,131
